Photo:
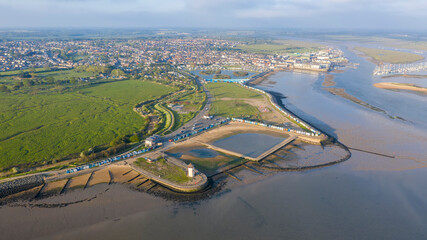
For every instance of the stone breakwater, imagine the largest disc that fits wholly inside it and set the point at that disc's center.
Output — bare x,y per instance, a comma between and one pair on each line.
20,184
201,180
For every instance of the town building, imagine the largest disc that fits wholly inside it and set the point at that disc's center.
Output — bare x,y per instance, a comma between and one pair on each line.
152,140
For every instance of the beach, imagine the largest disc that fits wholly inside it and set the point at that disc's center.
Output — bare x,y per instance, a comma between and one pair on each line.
400,86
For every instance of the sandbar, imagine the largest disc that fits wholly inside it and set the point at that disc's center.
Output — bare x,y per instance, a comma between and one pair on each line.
400,86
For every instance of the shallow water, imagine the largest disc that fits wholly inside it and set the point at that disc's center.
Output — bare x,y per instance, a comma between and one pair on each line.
367,197
306,155
249,144
203,153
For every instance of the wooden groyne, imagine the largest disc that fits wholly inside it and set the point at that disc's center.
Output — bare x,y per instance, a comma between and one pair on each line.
65,186
252,169
375,153
88,180
232,176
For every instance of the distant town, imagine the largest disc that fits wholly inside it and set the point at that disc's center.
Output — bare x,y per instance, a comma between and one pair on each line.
133,55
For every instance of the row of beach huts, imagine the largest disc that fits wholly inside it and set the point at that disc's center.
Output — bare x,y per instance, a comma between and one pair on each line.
110,160
273,126
134,153
194,132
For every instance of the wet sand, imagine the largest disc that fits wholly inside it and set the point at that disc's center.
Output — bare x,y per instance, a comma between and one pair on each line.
370,192
400,86
54,187
100,176
329,81
79,181
122,174
299,154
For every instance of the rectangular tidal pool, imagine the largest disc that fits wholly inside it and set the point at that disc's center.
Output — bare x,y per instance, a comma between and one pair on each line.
249,144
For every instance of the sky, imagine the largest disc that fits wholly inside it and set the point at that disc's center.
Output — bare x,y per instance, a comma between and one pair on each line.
343,14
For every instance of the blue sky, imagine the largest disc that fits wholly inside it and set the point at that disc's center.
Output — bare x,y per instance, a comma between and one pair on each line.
385,14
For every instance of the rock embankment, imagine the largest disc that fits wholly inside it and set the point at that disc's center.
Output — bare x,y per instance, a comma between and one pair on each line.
20,184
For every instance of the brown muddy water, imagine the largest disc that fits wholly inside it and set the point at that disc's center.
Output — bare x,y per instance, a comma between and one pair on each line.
366,197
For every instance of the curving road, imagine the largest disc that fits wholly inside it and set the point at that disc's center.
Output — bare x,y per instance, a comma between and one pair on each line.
204,111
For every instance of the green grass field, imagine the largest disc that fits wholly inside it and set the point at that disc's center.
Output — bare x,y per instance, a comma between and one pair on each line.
385,41
165,170
280,47
192,103
49,125
390,56
231,90
210,166
8,78
418,45
66,74
232,108
15,72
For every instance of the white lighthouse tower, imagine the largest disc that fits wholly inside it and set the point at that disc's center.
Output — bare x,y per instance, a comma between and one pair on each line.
190,170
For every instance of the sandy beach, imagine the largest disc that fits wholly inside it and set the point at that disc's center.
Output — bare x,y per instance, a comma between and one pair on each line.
400,86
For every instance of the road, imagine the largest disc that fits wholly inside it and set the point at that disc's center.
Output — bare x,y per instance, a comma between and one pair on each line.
197,119
188,126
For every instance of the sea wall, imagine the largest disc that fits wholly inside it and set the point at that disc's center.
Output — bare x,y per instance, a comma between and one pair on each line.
174,186
20,184
275,103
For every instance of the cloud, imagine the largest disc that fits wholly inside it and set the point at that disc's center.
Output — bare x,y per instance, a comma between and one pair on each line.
316,8
219,13
102,6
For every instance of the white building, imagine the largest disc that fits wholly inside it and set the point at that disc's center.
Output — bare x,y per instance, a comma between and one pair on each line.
190,170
